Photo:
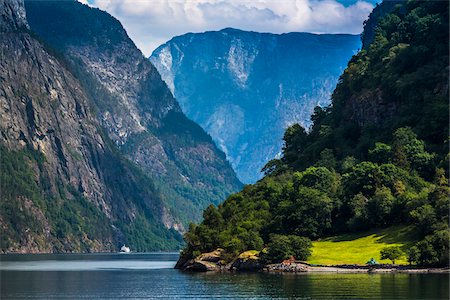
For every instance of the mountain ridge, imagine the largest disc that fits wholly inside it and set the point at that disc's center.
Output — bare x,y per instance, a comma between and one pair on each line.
78,173
59,188
124,83
243,87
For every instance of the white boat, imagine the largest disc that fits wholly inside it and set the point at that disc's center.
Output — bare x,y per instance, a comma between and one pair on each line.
125,249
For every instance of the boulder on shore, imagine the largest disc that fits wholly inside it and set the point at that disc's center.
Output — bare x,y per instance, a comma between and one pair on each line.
247,261
210,261
213,261
202,266
182,261
213,256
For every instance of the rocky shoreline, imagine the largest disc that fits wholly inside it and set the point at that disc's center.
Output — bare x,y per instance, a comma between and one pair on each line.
249,261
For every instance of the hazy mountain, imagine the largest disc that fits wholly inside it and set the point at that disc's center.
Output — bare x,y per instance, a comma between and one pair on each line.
245,88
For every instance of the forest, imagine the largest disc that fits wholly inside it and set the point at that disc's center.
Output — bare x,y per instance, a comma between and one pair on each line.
376,157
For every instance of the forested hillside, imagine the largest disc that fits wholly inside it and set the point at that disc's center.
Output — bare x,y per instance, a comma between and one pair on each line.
376,157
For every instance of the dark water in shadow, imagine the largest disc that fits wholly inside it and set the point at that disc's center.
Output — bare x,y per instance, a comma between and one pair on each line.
150,276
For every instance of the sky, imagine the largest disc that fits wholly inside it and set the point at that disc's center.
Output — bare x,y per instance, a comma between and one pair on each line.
150,23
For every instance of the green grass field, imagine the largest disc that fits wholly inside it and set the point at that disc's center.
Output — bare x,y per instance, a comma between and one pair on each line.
358,248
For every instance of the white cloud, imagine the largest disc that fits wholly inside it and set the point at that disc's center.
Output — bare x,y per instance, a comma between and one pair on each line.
151,23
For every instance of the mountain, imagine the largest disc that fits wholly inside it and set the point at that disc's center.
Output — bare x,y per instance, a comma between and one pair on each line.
135,108
94,150
64,185
245,88
377,158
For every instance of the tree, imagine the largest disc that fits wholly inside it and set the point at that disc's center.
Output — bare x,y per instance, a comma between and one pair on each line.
363,178
319,178
358,207
348,163
381,154
433,250
252,240
380,206
212,217
282,247
327,159
308,215
409,152
301,247
295,141
426,255
424,217
413,254
391,253
274,167
279,248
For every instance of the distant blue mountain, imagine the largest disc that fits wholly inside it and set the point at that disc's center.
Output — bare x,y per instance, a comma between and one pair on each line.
245,88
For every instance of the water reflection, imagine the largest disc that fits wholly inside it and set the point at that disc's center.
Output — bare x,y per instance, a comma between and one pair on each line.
337,286
138,277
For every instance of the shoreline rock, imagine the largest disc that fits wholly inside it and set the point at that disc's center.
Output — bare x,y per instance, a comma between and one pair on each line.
211,261
250,262
247,261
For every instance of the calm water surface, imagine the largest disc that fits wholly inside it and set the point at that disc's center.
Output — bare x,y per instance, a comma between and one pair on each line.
150,276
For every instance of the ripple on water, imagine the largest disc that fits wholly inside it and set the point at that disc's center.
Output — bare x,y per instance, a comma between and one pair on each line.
151,276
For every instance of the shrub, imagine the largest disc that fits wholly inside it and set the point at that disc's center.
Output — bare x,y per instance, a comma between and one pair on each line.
433,250
391,253
282,247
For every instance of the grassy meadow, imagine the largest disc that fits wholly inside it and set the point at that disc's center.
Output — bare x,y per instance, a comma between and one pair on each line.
358,248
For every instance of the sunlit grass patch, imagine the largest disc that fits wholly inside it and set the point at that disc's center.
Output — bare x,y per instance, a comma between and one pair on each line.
358,248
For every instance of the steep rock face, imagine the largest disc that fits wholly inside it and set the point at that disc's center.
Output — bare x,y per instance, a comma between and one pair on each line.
12,15
369,107
59,172
245,88
136,108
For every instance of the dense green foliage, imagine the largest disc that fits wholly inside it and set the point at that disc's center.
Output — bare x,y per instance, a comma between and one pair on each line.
282,247
391,253
377,157
370,25
401,80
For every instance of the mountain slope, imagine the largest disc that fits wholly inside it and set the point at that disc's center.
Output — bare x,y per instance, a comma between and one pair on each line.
136,108
246,88
64,185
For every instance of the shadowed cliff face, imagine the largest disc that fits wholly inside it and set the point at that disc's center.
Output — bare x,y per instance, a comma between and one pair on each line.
246,88
136,109
65,187
12,16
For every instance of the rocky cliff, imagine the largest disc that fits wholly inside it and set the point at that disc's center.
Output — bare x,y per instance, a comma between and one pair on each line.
64,185
246,88
136,109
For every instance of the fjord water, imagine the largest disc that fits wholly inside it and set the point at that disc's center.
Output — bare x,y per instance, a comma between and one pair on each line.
151,276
